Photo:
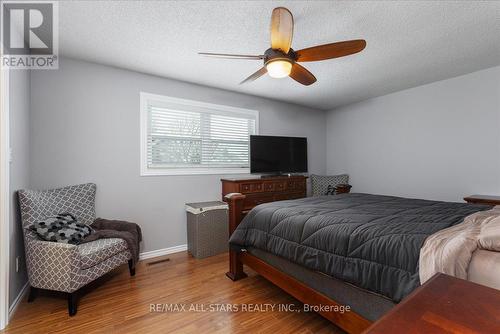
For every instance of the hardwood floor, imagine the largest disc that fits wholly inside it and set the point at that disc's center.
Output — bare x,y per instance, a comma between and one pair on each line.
118,303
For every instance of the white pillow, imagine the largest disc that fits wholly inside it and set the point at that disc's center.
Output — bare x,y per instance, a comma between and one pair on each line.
489,238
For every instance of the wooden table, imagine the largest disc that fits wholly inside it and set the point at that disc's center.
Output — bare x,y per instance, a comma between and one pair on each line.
444,304
483,199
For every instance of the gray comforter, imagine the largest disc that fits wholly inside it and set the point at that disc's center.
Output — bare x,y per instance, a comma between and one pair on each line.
370,241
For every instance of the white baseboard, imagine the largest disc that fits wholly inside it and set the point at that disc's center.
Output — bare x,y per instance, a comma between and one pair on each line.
18,299
163,251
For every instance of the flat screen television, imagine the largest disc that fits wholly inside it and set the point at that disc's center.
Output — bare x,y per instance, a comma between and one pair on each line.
278,155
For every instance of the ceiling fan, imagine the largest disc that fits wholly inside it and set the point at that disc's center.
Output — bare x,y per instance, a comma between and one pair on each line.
280,60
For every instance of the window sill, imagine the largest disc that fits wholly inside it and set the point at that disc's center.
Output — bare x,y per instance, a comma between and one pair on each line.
193,171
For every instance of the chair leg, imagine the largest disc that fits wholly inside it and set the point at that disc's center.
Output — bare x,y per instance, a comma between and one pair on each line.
131,268
72,303
32,295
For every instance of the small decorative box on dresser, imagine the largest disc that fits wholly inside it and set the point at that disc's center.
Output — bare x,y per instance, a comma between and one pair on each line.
342,188
264,190
483,199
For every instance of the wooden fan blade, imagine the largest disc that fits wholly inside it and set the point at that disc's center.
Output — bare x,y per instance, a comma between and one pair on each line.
254,76
301,75
230,56
281,29
332,50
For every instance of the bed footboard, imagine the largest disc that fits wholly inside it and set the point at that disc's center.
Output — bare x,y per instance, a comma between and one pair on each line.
235,203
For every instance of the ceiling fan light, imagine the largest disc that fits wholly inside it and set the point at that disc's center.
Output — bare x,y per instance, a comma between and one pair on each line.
279,68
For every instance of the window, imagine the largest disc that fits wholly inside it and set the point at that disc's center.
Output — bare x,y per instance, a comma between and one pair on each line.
189,137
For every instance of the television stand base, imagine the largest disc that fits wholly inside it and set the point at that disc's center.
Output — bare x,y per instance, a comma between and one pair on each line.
265,176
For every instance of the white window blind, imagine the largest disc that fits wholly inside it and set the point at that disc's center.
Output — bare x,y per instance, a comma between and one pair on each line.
192,137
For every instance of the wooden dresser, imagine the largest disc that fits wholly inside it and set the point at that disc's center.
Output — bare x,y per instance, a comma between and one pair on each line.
264,190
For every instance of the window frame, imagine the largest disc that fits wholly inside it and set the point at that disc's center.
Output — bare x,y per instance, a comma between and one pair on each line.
145,170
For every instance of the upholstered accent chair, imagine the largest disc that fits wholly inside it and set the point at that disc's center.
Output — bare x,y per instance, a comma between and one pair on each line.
60,266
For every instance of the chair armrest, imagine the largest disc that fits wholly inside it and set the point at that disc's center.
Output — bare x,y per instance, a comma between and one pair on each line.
51,265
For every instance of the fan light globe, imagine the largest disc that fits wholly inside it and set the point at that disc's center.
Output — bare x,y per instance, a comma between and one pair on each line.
279,68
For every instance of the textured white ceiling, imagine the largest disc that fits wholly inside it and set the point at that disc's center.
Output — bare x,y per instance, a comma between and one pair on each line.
409,43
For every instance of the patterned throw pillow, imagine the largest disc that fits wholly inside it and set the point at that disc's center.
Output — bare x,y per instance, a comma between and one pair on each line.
323,185
61,228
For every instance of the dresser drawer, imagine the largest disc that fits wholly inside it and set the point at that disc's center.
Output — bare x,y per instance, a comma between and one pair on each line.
299,185
257,187
282,197
268,186
279,186
296,195
254,200
245,188
289,195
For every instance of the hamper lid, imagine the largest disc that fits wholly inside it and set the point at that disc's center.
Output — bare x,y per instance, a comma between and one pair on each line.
200,207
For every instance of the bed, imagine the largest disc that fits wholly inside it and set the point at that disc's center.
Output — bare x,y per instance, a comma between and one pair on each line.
372,264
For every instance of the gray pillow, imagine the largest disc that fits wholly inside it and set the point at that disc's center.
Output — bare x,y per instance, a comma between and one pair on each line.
320,183
61,228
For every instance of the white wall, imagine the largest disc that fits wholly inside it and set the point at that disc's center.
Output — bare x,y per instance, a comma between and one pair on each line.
437,141
19,106
85,128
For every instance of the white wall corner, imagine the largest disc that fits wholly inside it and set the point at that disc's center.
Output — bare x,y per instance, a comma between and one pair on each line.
4,197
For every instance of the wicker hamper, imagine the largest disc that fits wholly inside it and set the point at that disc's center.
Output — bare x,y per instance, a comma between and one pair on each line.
207,228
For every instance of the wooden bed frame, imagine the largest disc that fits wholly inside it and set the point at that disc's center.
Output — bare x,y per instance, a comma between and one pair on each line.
350,321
